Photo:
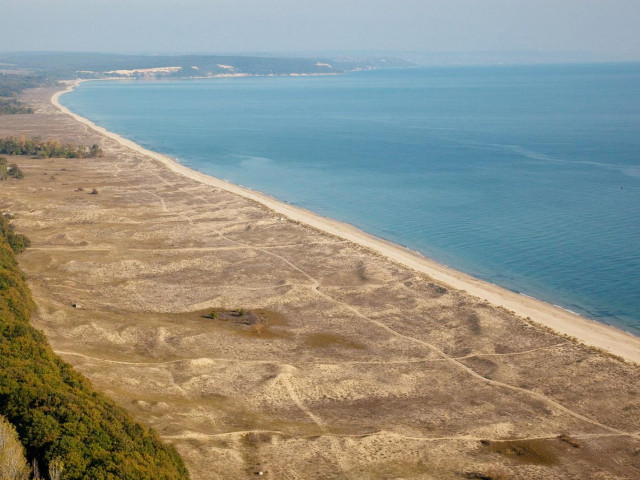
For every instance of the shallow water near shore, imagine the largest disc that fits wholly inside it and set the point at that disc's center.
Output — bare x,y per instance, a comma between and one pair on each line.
528,177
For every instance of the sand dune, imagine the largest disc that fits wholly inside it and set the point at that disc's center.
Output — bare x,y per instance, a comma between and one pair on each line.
588,331
348,360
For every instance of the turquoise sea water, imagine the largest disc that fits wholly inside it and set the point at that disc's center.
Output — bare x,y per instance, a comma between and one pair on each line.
528,176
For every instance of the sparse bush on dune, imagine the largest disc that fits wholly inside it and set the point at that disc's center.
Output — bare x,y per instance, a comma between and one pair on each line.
9,170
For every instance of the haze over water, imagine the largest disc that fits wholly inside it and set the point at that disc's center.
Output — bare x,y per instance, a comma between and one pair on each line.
528,177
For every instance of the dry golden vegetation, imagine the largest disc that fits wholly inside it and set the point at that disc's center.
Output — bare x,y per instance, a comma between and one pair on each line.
343,364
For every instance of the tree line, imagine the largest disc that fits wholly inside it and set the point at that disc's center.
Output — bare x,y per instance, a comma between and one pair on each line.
50,149
11,85
11,106
67,428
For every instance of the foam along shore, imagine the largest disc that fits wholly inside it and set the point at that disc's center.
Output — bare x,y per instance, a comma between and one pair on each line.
560,320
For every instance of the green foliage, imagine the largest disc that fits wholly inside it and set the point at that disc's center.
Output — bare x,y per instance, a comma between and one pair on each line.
213,314
51,148
56,412
17,241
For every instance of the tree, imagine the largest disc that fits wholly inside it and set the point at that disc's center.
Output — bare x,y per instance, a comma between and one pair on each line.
55,469
95,151
35,469
13,465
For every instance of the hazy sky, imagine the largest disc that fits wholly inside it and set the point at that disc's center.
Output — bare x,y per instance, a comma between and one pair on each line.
610,27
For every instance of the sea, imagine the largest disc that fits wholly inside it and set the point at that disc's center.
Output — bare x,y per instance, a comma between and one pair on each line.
525,176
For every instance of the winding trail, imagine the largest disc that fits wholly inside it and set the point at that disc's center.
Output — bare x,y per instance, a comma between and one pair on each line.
456,362
315,287
285,379
294,364
384,433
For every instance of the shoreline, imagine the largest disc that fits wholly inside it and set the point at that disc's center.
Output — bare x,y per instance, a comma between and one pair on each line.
563,321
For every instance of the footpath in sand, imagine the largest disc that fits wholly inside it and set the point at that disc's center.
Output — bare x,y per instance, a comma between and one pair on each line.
345,364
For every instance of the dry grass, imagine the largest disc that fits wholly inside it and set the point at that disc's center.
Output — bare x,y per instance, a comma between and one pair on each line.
329,340
343,364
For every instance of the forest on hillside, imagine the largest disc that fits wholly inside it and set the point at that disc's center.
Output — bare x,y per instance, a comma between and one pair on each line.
65,426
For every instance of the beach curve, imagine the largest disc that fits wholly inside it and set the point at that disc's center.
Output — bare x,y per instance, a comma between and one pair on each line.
562,321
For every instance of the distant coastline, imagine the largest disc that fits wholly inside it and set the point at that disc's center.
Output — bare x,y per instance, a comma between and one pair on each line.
557,318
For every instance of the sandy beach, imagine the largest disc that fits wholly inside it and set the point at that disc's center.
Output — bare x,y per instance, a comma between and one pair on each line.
332,354
567,323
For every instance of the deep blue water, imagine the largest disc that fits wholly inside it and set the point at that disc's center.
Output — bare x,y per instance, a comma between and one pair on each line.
526,176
